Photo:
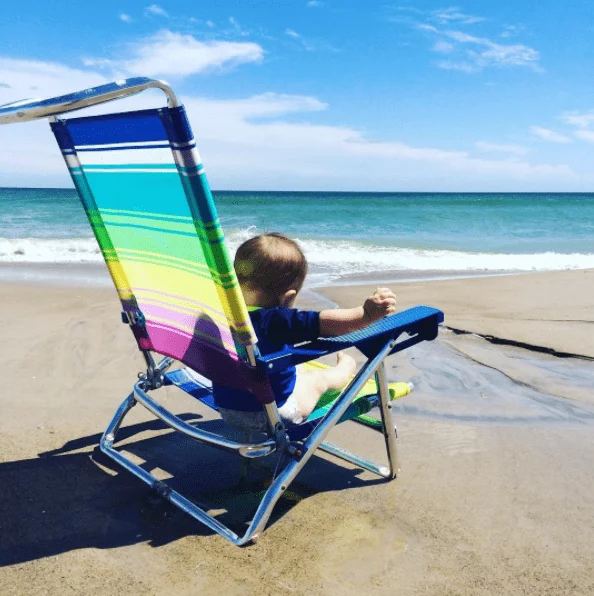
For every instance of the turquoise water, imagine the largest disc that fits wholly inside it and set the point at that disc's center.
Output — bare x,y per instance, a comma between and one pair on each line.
521,223
346,232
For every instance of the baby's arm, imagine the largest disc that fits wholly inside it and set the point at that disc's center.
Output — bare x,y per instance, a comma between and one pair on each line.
344,320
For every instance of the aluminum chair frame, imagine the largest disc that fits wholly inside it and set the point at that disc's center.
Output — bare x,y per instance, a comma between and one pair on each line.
376,342
299,455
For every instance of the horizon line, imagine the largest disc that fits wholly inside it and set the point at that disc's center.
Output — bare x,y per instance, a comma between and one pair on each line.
515,192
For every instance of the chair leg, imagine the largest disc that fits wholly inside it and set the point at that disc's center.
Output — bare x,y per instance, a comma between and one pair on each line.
246,463
389,427
389,431
358,460
316,439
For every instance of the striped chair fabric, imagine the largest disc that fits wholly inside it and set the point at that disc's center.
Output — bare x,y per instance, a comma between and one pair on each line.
145,193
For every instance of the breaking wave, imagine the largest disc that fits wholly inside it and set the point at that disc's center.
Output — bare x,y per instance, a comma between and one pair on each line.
333,257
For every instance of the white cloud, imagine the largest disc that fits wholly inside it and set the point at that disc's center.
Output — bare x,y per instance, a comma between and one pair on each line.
470,52
162,55
577,119
250,143
36,78
210,24
126,18
492,147
512,30
546,134
426,27
453,15
585,135
442,16
274,104
460,36
456,65
581,122
507,55
444,47
314,4
28,154
303,155
490,53
155,9
178,55
237,28
303,42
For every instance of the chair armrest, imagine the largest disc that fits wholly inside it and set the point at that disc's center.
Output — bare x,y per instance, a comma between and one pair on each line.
420,323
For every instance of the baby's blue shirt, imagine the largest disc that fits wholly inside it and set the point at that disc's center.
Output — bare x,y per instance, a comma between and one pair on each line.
275,328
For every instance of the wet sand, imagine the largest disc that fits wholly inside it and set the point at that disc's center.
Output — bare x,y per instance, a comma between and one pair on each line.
495,496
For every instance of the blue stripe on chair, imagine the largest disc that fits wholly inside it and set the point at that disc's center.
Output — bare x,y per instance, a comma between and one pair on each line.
62,136
407,318
178,127
128,127
191,386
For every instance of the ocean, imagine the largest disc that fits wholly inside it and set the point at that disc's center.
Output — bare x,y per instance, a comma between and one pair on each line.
346,236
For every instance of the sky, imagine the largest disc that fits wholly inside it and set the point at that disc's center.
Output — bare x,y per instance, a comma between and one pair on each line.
487,96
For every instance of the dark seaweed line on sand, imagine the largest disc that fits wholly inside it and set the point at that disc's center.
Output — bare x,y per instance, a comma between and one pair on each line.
519,344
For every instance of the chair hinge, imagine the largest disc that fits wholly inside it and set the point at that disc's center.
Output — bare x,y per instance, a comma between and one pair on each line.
133,318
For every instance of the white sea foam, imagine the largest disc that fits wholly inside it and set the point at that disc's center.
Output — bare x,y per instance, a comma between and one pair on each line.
346,257
327,257
341,257
50,250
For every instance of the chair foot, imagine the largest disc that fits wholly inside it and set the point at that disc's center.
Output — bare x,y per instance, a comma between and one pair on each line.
357,460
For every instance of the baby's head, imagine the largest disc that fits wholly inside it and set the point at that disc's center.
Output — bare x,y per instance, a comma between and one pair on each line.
271,268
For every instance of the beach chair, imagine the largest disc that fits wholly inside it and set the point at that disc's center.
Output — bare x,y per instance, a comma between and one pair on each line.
143,187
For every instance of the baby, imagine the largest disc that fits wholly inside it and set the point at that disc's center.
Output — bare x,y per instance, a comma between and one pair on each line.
271,269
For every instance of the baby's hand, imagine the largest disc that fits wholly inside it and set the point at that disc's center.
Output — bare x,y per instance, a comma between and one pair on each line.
381,304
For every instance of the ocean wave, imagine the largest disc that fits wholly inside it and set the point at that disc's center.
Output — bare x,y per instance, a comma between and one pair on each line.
50,250
351,258
341,257
332,257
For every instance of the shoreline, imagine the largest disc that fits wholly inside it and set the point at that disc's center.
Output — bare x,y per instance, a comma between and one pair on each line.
547,312
75,275
413,275
94,273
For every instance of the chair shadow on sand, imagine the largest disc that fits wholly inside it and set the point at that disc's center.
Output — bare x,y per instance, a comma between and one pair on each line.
67,499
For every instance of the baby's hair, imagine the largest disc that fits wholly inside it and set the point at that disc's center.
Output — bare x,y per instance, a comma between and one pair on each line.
271,264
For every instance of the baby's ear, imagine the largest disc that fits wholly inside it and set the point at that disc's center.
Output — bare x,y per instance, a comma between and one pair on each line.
288,298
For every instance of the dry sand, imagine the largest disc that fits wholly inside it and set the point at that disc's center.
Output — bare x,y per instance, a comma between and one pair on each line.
496,495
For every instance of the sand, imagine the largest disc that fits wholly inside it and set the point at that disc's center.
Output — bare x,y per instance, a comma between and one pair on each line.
496,493
548,310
